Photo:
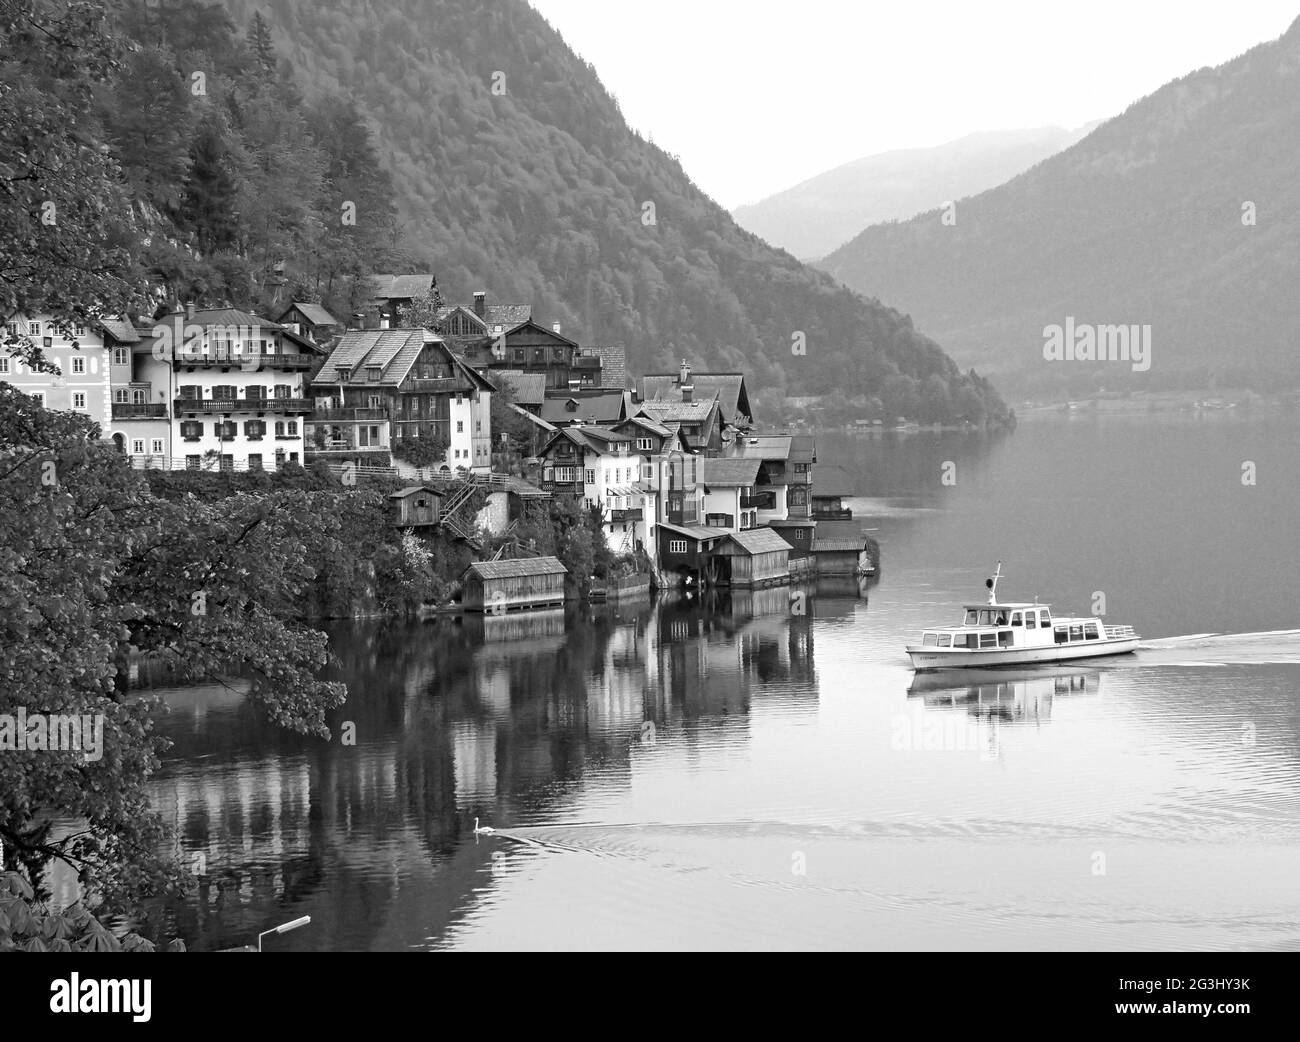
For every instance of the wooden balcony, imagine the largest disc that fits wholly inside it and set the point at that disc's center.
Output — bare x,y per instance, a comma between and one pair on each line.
759,501
444,385
240,360
571,488
208,406
831,513
131,411
630,514
350,414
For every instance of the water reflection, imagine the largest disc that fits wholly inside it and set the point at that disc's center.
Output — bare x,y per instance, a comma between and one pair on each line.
1020,696
502,717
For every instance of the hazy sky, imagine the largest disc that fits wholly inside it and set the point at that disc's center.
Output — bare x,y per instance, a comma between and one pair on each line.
758,95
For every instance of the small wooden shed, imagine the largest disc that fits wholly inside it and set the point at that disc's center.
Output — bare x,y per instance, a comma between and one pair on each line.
756,557
415,505
497,586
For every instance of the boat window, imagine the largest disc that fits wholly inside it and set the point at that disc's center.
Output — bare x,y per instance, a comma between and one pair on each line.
1044,618
930,638
1062,634
988,640
1004,638
1031,619
945,640
1090,631
972,617
1002,619
986,618
1076,632
1015,618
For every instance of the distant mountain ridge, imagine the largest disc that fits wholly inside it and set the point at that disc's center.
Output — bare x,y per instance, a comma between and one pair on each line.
1182,213
515,173
824,212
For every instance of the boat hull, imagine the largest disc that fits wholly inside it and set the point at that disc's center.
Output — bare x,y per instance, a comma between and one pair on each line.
927,658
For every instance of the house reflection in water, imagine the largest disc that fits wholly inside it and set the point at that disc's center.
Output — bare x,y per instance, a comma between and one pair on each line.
504,718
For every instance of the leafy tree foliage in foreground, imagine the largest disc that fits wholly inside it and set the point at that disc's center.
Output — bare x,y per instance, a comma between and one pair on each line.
93,568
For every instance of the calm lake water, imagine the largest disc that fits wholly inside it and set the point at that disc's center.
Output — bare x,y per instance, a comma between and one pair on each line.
753,771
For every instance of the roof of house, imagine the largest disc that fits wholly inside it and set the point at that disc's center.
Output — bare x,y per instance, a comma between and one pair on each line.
697,532
825,545
313,313
654,427
507,316
729,471
759,541
120,330
410,490
237,318
682,412
401,287
601,405
528,388
729,388
764,446
803,448
613,364
522,566
588,436
394,351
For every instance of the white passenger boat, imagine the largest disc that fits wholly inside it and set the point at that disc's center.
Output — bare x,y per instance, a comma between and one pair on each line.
1004,634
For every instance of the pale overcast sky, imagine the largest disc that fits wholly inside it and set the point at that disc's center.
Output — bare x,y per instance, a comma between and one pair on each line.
757,95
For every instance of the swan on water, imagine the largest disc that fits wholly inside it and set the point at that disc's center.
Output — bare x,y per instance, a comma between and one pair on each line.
487,830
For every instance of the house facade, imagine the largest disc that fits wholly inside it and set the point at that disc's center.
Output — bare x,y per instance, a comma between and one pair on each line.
382,389
237,388
84,355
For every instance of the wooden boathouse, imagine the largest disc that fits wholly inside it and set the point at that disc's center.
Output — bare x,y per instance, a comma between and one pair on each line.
755,557
498,586
415,506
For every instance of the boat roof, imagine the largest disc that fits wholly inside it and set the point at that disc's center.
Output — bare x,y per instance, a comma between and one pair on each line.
1018,606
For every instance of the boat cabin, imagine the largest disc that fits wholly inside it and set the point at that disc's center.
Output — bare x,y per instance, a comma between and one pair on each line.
986,626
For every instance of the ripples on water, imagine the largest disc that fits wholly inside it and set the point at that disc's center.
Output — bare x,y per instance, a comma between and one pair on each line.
799,787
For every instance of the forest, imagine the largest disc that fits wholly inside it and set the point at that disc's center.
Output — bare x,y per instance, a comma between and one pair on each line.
262,153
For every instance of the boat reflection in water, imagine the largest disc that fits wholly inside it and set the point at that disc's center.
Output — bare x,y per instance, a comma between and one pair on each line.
1011,696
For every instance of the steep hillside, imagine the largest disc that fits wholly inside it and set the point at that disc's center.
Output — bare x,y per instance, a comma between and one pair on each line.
1182,213
813,218
514,172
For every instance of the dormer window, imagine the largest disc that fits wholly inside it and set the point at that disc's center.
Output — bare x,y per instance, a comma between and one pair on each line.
345,374
372,373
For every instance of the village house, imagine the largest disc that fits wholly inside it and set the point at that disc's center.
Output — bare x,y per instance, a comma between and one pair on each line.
501,586
729,500
416,506
391,294
237,387
728,388
754,558
784,496
607,406
466,328
381,389
601,466
95,373
310,320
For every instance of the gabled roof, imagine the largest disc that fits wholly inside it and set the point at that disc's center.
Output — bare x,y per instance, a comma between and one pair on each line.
733,398
646,423
410,490
600,405
682,412
239,319
401,287
758,541
120,330
394,351
699,533
587,437
803,448
841,545
523,566
313,313
729,472
507,316
529,388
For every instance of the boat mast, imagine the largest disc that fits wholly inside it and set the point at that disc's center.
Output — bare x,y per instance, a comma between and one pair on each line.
992,584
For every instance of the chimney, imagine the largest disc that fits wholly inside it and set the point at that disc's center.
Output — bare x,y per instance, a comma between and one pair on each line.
555,327
189,311
480,304
684,382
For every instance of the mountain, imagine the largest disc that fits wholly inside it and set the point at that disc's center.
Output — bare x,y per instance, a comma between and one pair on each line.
813,218
1182,213
513,171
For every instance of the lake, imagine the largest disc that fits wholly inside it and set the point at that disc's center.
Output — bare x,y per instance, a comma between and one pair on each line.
763,771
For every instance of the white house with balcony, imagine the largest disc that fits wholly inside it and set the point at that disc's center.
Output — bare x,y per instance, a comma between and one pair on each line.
236,389
84,355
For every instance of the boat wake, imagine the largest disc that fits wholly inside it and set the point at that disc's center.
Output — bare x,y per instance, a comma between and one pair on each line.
1222,649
